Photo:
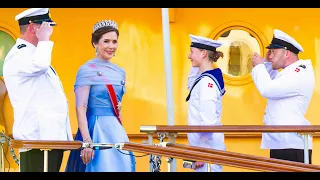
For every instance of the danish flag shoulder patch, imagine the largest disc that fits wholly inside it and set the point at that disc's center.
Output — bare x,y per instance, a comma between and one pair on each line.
210,85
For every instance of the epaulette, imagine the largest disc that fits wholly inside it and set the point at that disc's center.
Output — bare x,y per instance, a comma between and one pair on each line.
21,46
302,65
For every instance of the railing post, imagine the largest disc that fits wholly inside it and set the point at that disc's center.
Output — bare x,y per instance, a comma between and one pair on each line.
2,141
172,139
208,167
169,161
150,140
1,160
306,148
45,160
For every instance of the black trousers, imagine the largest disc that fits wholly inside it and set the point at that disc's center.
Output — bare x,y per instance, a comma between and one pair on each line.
296,155
33,160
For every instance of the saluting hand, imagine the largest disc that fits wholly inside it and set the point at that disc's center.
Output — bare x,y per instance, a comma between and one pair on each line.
268,55
256,59
44,32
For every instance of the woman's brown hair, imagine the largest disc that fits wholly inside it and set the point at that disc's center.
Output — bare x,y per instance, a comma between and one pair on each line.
97,35
214,56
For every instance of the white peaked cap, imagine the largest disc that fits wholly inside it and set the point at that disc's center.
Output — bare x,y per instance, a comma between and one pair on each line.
35,15
283,40
204,43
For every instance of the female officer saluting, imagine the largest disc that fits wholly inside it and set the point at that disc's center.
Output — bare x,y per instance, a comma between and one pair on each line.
205,97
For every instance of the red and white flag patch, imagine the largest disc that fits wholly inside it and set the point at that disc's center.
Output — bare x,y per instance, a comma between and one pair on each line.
210,85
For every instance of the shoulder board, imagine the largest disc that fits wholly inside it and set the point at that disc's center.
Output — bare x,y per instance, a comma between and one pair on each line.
21,46
302,65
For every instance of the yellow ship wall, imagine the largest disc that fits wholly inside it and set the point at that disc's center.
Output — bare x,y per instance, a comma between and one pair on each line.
140,53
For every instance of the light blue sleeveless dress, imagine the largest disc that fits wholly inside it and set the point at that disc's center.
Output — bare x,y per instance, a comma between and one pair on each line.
103,124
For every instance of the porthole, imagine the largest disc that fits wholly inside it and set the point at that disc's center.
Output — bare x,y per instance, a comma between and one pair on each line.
240,41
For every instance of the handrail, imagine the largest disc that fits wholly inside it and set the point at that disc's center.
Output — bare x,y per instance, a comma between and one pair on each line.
305,130
184,135
226,135
226,159
174,152
45,144
246,156
230,128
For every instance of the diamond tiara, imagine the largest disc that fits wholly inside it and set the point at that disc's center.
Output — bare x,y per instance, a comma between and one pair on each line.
105,23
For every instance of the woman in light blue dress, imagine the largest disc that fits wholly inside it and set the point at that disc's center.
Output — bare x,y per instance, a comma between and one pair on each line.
99,88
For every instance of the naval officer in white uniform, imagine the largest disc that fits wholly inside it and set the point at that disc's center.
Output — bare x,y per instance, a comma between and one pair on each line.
36,94
205,97
288,92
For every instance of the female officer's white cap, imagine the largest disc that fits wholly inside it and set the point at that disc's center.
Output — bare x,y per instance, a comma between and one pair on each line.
204,43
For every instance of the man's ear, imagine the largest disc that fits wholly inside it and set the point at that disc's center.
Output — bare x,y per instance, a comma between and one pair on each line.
32,28
288,54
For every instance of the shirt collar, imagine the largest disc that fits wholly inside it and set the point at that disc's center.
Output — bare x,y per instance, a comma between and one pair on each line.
21,41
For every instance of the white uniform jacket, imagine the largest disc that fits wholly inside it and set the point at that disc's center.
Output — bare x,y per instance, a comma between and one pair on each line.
36,94
288,92
204,108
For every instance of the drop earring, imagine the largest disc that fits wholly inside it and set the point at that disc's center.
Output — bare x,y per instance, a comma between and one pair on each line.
96,50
